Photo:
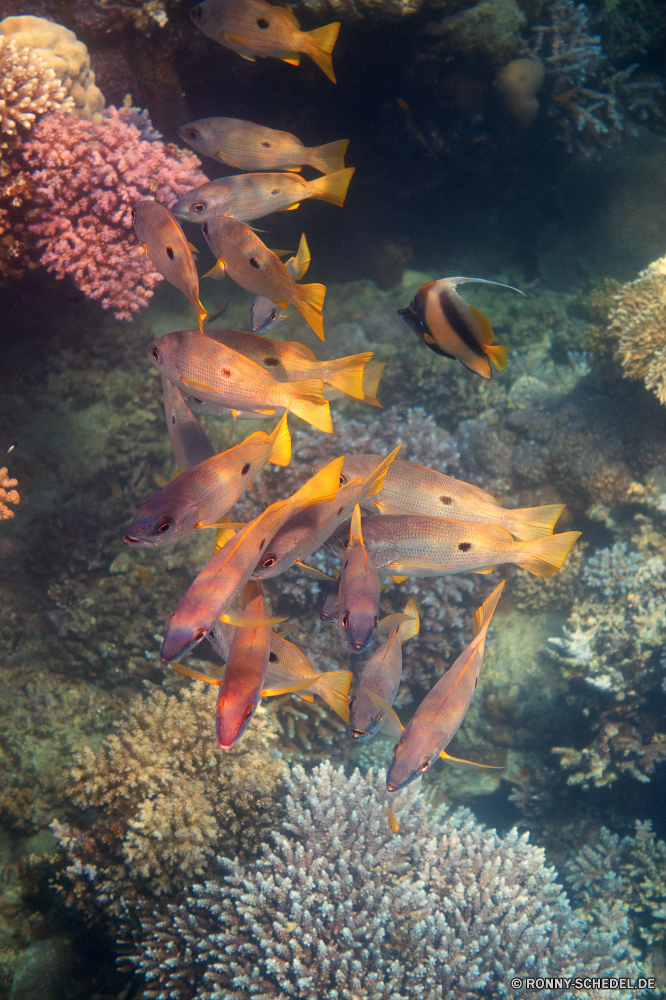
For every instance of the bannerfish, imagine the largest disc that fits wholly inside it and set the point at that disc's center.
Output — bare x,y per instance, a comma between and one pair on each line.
305,531
289,671
408,545
245,671
201,495
247,146
189,441
414,489
258,270
441,713
264,313
252,196
165,243
289,361
220,375
253,28
376,689
231,566
455,329
359,591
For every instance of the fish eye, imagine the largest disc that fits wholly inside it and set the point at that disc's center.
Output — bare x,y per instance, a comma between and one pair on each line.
425,765
343,479
345,621
192,132
156,354
199,635
204,229
163,525
199,206
269,561
248,712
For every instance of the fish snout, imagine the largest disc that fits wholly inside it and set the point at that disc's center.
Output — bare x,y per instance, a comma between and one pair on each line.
131,540
358,734
179,641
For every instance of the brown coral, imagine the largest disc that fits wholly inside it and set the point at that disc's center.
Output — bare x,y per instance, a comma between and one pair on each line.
7,495
168,797
638,319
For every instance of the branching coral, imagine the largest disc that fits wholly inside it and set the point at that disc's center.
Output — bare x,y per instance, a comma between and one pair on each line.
168,797
630,869
343,907
7,494
638,319
87,178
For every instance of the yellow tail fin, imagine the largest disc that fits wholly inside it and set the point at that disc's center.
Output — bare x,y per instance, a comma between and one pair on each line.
309,300
533,522
330,157
375,479
319,45
371,377
544,556
499,355
309,404
409,629
321,488
346,374
302,259
484,614
281,443
355,532
332,187
333,687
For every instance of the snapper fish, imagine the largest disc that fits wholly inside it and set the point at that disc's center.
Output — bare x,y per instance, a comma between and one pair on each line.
218,374
258,270
252,196
414,489
164,241
253,28
304,532
455,329
189,441
376,689
407,545
264,313
247,146
359,591
201,495
230,567
441,713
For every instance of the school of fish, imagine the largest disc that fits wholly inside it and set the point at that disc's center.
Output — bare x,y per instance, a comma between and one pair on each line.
389,519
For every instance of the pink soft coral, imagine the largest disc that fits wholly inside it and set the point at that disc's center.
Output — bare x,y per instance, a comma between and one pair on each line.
87,178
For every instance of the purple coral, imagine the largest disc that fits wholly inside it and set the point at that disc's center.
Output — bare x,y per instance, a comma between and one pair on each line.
87,178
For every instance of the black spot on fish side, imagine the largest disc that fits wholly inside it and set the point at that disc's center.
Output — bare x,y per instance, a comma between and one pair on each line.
245,469
272,657
465,546
170,253
339,512
266,145
271,361
263,23
227,372
446,500
255,263
275,191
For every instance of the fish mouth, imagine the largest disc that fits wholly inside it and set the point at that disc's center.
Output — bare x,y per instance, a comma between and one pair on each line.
131,540
357,734
414,319
391,788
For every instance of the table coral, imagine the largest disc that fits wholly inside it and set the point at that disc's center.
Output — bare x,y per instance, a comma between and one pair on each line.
87,178
7,494
638,319
341,906
168,798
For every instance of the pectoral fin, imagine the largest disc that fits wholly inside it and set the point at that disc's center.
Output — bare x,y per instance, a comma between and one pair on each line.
399,579
242,620
467,763
195,674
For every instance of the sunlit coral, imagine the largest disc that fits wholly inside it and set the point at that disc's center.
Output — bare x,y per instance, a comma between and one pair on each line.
29,87
7,495
638,319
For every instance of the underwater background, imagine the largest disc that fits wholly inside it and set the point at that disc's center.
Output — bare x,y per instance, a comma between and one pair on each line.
522,143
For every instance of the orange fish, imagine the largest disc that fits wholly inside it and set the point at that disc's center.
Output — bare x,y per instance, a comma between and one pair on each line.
164,241
254,28
453,328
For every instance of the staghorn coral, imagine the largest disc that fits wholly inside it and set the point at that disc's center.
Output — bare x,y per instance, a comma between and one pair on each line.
630,869
638,319
60,50
7,494
342,907
87,177
168,798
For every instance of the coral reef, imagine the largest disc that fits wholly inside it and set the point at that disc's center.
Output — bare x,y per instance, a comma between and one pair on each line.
342,906
373,10
638,319
63,53
630,869
87,177
8,494
490,27
167,797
